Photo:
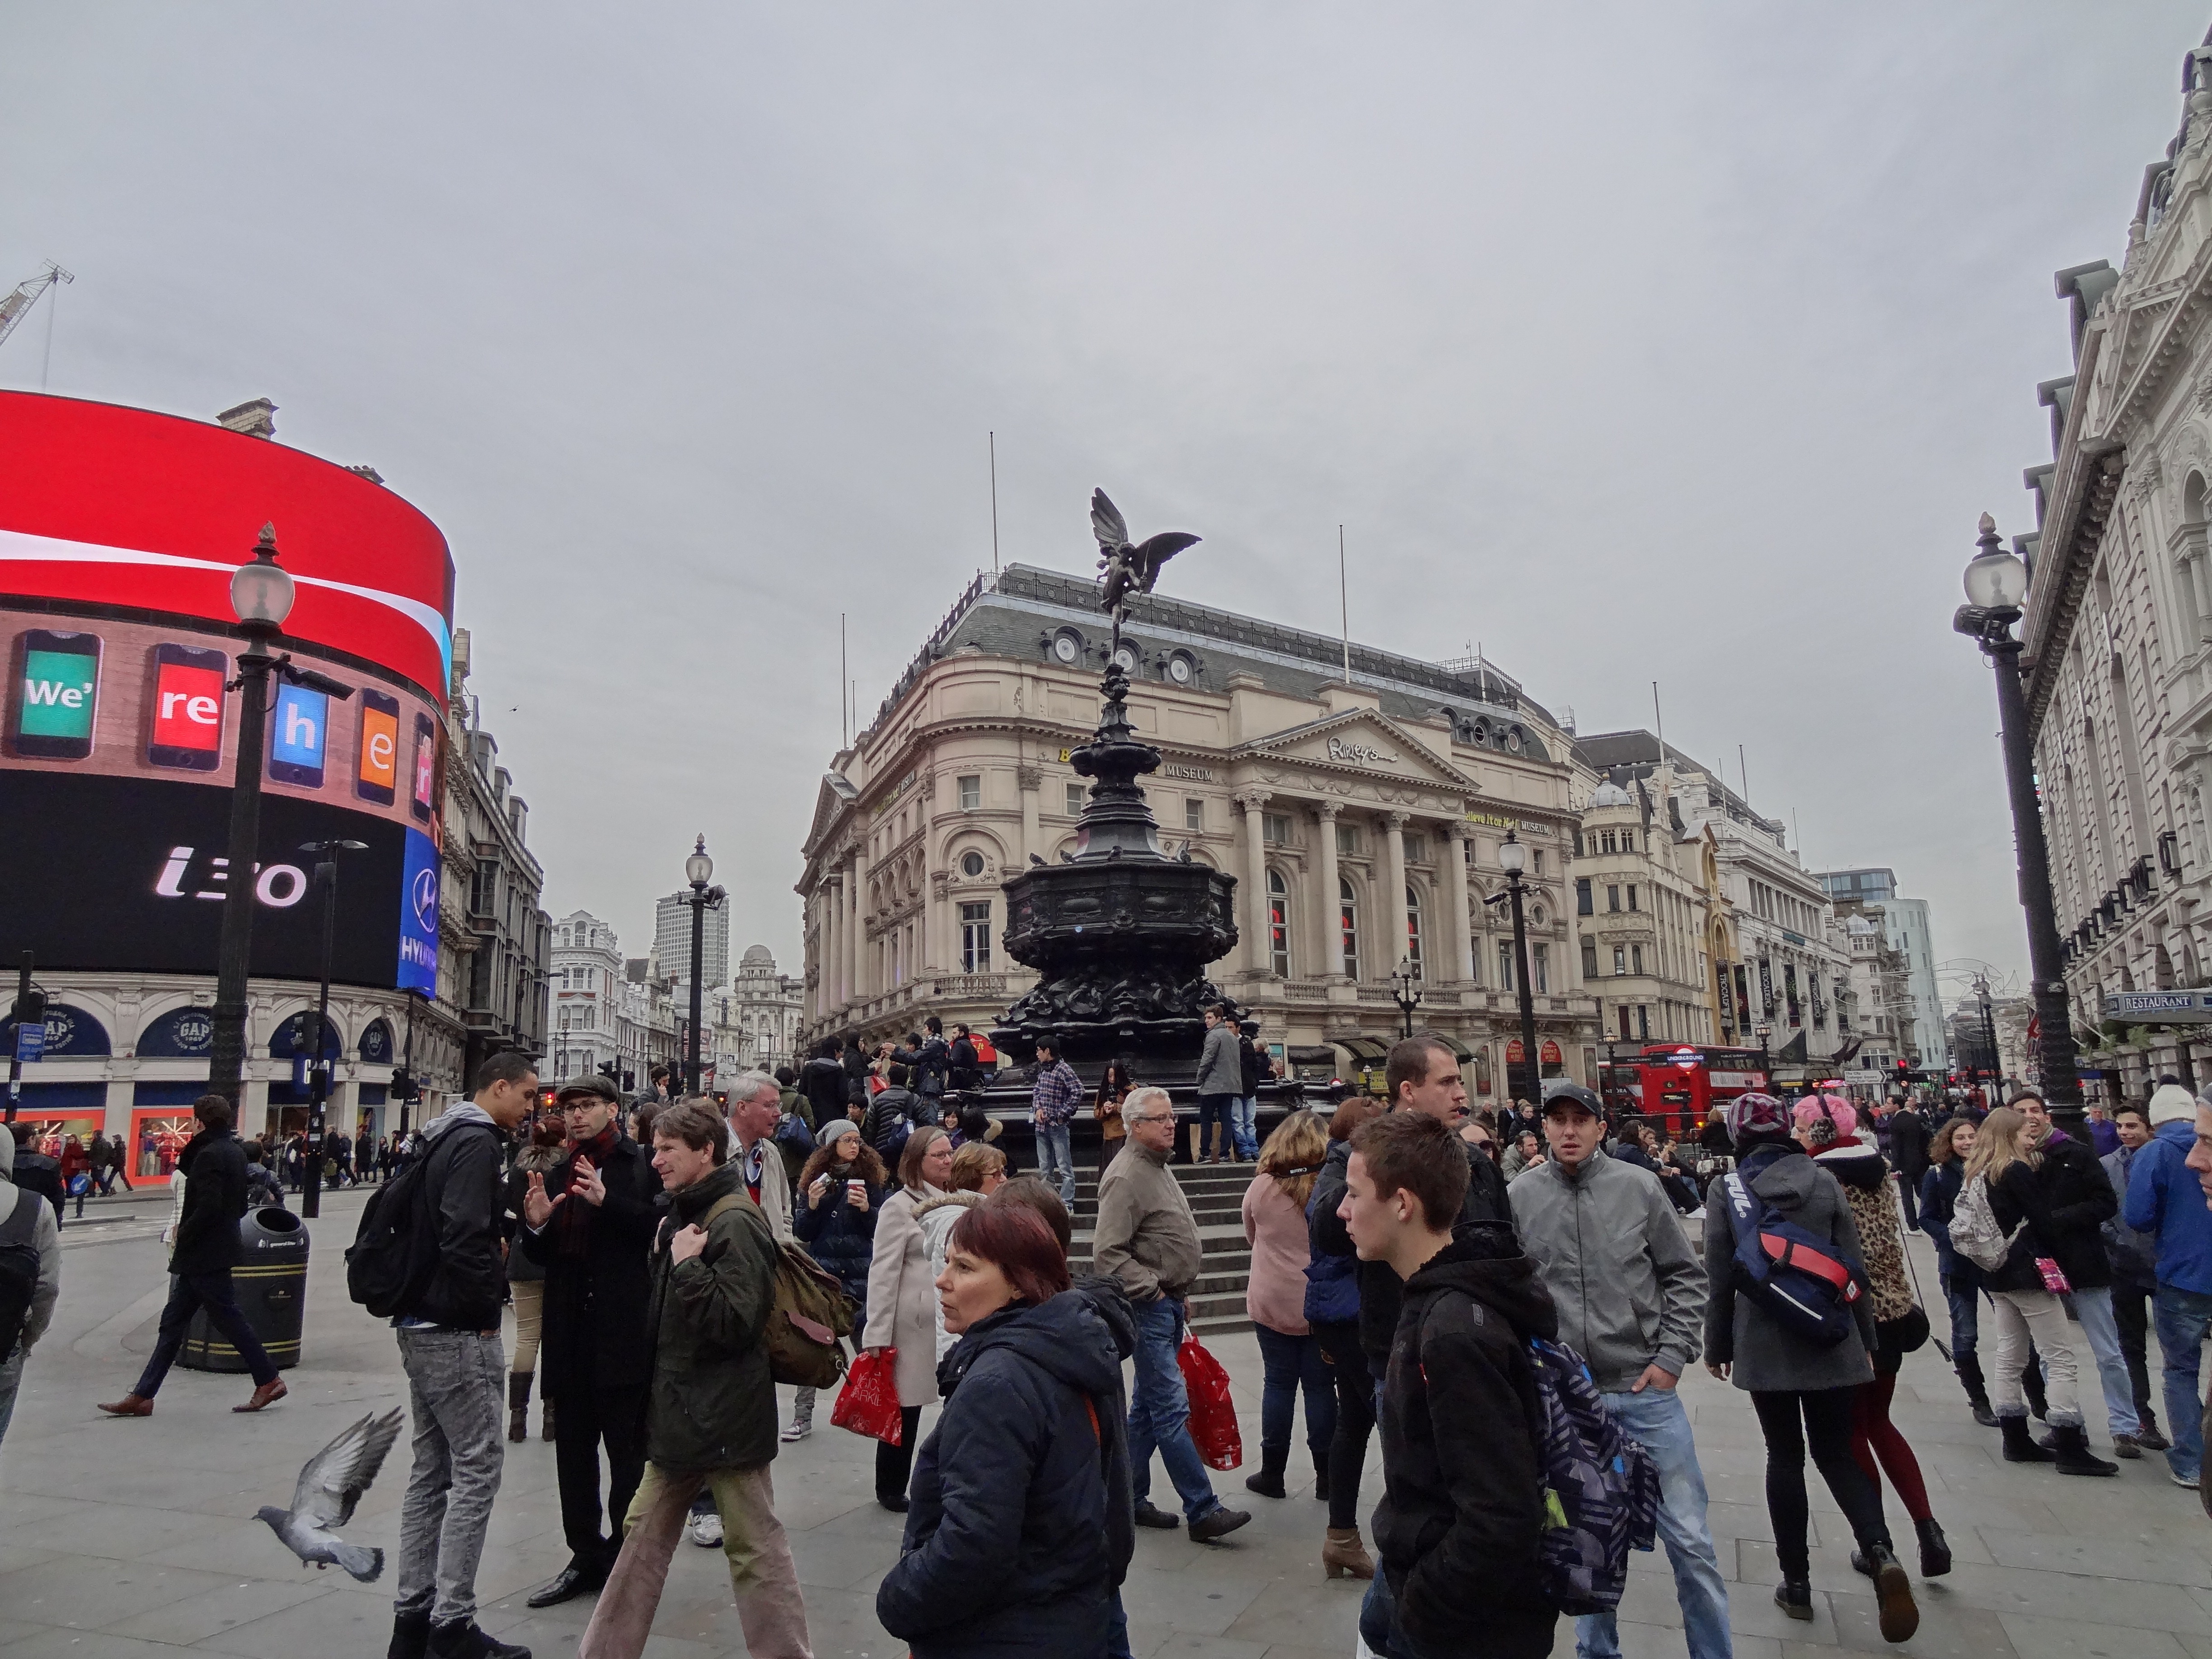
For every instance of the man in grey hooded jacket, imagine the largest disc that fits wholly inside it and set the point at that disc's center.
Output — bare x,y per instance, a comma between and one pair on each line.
1630,1295
28,1218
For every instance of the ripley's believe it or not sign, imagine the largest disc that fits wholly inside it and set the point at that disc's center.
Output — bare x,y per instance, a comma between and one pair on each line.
119,531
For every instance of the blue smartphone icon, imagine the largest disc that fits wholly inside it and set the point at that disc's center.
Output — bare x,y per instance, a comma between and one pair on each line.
298,735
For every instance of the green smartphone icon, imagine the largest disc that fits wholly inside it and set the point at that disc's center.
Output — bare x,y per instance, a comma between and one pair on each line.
56,692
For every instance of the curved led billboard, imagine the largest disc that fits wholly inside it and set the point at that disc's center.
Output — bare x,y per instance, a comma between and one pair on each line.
120,530
111,506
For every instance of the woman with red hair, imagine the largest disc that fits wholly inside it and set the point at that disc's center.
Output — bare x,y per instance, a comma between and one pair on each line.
1021,1525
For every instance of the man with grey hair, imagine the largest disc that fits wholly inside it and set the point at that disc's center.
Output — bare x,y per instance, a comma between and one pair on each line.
1147,1242
755,1108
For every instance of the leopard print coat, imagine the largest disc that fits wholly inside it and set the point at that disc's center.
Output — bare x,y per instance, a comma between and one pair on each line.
1865,1178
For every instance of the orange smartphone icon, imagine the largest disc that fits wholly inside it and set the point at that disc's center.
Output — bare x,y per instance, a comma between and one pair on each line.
375,778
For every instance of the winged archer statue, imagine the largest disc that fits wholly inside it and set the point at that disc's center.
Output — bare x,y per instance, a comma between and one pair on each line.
1124,569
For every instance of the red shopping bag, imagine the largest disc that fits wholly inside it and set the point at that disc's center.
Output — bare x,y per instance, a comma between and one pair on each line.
1213,1414
868,1404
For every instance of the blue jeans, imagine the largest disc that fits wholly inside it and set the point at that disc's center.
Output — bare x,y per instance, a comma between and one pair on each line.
2181,1318
1247,1132
1966,1319
1053,1154
2094,1308
1159,1414
1656,1418
1291,1362
1222,1109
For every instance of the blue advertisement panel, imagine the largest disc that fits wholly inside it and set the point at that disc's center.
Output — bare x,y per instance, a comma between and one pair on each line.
418,917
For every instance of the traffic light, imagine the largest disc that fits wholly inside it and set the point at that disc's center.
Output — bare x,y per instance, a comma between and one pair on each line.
402,1086
30,1008
611,1072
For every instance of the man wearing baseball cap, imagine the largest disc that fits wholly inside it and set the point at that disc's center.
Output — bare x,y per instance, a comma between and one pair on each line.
2166,1197
1608,1247
590,1223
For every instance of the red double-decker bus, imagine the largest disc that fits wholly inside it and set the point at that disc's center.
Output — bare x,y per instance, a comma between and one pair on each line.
1677,1083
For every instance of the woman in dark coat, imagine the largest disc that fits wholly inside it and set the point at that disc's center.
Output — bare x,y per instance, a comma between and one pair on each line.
1021,1527
1802,1391
1962,1280
837,1198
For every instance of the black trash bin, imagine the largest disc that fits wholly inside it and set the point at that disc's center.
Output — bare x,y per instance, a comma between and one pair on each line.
271,1282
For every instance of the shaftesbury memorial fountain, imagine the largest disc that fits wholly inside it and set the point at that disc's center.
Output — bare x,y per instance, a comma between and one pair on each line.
1120,933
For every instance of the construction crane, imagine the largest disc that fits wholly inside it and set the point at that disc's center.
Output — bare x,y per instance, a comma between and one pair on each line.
17,306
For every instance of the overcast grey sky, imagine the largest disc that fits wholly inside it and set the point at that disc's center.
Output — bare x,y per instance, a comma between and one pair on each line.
1638,341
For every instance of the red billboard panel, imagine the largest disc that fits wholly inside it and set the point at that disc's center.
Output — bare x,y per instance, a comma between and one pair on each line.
106,506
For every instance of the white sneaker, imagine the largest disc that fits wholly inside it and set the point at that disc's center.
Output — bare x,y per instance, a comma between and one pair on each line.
797,1429
2187,1482
1698,1214
705,1530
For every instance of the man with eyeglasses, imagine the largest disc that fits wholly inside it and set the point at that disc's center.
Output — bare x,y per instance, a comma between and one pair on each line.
1147,1242
590,1223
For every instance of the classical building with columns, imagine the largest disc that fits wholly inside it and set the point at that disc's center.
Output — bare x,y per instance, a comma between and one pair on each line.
2117,665
1360,813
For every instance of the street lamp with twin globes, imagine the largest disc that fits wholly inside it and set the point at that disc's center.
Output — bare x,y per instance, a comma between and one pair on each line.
1996,588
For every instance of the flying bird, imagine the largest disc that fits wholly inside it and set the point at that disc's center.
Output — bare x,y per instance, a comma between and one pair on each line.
1123,569
331,1486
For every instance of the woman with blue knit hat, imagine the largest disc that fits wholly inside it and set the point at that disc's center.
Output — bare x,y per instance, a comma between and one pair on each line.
1801,1382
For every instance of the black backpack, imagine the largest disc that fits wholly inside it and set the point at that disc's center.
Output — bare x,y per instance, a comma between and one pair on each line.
19,1267
394,1254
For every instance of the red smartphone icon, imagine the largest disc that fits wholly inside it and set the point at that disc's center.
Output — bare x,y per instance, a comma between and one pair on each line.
186,726
425,766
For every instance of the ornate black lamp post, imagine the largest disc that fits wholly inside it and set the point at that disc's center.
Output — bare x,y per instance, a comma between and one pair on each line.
1405,991
261,595
698,870
1997,584
1513,859
1762,1031
326,875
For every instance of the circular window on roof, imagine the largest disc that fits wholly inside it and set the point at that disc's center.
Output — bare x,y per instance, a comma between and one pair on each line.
1126,657
1067,645
1181,669
971,864
1513,739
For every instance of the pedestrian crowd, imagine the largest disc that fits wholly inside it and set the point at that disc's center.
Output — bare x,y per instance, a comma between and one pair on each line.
1419,1275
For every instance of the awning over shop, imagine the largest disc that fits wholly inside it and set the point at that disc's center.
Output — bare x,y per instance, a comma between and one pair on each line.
1453,1043
1366,1049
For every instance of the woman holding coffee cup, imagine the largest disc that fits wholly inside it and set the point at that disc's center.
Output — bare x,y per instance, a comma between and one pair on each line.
840,1193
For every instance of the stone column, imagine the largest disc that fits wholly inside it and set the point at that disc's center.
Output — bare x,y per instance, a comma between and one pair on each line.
1332,900
1458,932
1394,894
830,991
863,979
1256,880
1031,779
938,953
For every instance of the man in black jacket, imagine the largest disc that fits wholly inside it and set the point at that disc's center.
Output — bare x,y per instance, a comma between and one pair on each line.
590,1224
1423,1076
1908,1155
449,1346
1462,1512
207,1247
962,1069
821,1080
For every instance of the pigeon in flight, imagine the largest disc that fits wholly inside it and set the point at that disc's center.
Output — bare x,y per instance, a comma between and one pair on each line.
331,1485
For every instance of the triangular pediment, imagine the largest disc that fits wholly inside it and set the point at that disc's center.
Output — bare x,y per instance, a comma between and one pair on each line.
1360,741
835,795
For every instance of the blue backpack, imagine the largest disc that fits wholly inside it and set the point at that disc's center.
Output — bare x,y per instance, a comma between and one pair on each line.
1600,1487
1793,1275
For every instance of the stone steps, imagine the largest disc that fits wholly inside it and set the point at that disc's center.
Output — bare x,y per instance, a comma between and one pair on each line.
1216,1193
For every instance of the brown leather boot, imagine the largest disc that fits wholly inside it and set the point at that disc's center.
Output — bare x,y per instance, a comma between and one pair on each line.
546,1412
517,1406
131,1405
268,1394
1344,1554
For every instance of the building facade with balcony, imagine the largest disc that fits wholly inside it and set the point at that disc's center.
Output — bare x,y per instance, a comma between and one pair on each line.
1907,928
2117,630
1361,816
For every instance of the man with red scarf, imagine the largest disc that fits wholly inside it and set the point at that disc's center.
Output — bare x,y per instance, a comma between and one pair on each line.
590,1222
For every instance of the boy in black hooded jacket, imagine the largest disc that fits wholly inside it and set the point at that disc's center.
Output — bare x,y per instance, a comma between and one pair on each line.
1461,1515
